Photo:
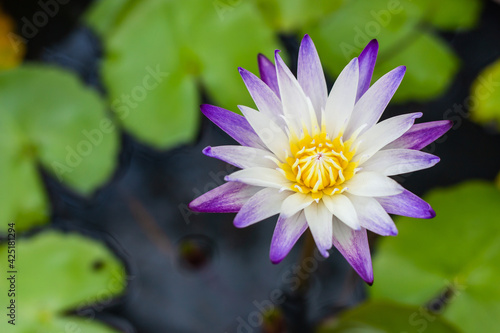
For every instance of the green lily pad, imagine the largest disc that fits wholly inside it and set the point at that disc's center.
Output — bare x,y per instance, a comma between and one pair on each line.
342,35
154,67
291,16
486,95
451,14
386,317
452,261
56,273
62,126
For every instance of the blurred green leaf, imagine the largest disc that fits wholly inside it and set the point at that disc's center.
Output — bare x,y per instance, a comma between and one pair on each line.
104,14
451,14
22,198
290,16
486,95
403,41
385,317
62,126
451,262
154,66
57,273
429,62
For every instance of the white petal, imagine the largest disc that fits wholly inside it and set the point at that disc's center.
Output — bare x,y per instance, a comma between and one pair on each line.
353,244
310,75
288,230
241,156
319,219
227,198
260,177
268,131
263,204
397,161
372,104
372,184
382,133
340,102
295,203
295,106
266,100
340,206
372,216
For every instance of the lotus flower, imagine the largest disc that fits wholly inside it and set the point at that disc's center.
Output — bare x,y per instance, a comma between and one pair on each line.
321,161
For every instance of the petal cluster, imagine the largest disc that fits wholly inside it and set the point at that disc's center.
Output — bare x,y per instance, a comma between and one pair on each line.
321,160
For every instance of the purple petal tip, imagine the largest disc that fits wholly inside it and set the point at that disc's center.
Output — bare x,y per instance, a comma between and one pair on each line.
203,107
276,261
207,151
370,282
193,207
449,125
432,213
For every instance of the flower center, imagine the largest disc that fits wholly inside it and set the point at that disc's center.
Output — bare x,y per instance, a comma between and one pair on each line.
319,165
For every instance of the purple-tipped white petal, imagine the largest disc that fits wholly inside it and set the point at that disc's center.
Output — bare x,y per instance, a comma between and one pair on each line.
353,245
260,177
420,135
311,76
288,230
373,217
241,156
227,198
407,204
372,104
263,204
267,72
340,206
268,131
382,133
294,203
397,161
295,105
234,125
319,220
266,100
372,184
367,60
340,102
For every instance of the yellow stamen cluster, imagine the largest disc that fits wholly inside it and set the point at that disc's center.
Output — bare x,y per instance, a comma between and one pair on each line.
319,165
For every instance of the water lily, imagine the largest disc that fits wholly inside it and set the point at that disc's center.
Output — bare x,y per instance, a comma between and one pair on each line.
321,161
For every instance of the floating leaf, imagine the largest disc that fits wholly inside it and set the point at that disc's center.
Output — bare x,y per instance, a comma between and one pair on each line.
293,15
385,317
450,263
153,66
62,126
57,273
430,64
485,94
451,14
397,25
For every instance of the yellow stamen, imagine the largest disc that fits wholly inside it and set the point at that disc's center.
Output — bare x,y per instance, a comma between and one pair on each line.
318,165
